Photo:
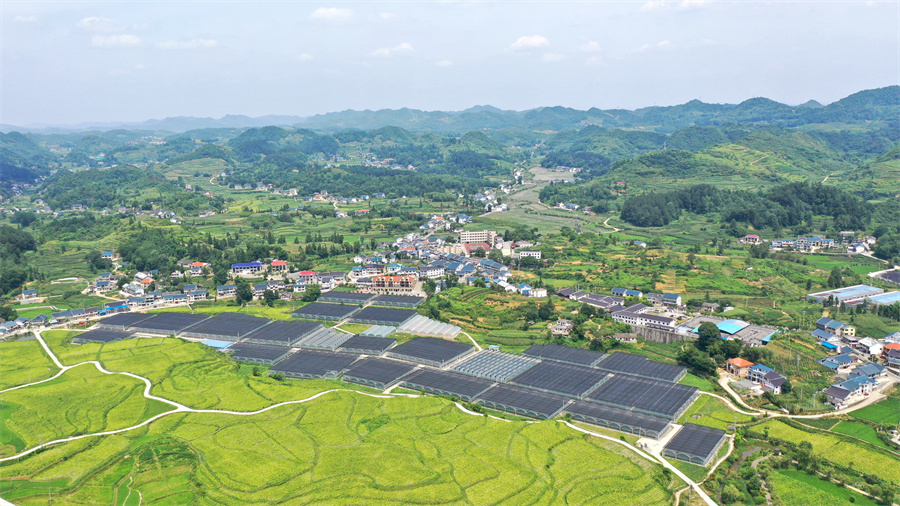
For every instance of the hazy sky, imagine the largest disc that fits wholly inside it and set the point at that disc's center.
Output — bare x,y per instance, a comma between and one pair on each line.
72,62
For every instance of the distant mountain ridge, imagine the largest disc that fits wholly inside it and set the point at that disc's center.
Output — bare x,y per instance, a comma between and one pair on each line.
882,104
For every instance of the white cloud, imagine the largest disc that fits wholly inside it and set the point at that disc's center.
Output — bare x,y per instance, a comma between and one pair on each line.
590,46
552,58
655,5
121,40
188,44
593,61
304,57
663,44
140,66
530,42
26,19
332,14
385,52
387,15
98,24
444,63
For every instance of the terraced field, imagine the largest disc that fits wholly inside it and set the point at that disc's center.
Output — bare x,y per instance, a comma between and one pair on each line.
341,448
23,362
712,412
858,456
797,487
82,400
188,373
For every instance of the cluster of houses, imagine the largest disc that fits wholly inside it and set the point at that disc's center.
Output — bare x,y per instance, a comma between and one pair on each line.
860,381
488,199
849,241
835,335
767,378
851,359
635,314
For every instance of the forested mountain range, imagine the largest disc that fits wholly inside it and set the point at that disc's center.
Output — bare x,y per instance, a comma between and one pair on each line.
756,143
882,104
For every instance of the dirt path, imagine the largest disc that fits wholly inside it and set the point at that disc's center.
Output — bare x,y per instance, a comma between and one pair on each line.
478,346
607,225
765,486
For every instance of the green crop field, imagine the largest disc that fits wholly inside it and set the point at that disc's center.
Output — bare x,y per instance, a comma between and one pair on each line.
23,362
81,400
712,412
338,449
858,456
190,373
797,487
884,412
861,431
699,382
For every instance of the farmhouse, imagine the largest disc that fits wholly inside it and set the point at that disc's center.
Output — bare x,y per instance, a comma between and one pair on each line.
633,315
835,327
246,268
224,291
562,327
393,285
738,366
869,346
671,300
766,377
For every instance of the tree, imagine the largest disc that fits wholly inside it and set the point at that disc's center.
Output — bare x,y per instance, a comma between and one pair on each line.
270,297
97,262
495,255
786,387
709,336
544,312
697,360
23,218
730,348
244,292
220,275
8,313
836,278
312,293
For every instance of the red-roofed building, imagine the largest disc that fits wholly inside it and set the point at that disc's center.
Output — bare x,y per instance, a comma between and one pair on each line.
278,265
471,247
738,366
887,348
197,268
308,276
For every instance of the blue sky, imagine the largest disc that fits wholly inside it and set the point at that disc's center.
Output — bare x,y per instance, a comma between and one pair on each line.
73,62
